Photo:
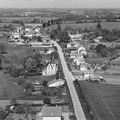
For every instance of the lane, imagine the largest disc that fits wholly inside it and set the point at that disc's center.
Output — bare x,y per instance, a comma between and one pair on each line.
69,79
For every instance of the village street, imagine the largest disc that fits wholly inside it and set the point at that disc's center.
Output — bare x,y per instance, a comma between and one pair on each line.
69,79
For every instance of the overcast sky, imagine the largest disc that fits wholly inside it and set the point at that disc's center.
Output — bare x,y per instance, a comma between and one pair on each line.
60,3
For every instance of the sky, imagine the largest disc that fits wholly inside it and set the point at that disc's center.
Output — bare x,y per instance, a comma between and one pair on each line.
59,3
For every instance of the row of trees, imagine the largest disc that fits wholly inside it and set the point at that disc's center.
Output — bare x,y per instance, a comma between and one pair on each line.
60,34
52,22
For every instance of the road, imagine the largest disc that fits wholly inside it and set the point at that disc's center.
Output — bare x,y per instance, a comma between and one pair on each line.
69,79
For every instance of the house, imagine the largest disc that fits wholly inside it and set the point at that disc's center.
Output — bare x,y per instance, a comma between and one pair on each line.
80,49
69,45
36,44
99,39
88,74
83,67
73,55
15,35
51,69
79,59
50,50
51,113
76,36
56,83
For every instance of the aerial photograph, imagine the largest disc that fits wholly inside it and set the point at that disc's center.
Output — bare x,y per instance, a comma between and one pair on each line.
59,59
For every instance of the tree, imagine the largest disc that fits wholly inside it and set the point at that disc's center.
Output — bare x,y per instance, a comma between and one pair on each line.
52,22
2,48
52,36
39,39
64,37
54,55
28,87
104,53
0,63
47,100
48,23
99,26
44,25
31,65
15,72
59,27
44,83
100,47
38,58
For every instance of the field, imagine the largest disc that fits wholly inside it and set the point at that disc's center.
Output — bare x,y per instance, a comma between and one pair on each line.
103,100
106,25
25,19
8,89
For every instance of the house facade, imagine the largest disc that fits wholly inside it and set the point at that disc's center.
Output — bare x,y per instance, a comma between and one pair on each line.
51,69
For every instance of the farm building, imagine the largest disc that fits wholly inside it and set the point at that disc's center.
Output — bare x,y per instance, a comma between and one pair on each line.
51,113
56,83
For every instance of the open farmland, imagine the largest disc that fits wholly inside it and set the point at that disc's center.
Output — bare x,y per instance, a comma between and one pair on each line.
103,100
8,23
25,19
105,25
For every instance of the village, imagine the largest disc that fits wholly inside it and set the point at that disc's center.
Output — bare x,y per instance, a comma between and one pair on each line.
38,77
52,71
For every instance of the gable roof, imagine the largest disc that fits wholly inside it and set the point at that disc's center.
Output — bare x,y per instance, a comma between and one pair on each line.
54,81
51,111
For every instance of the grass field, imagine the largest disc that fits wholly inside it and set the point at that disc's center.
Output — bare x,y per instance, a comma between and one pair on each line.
25,19
106,25
103,100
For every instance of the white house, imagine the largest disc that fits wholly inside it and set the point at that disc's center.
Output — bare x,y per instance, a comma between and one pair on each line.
79,59
98,39
56,83
76,36
51,113
83,67
29,35
20,42
51,69
80,49
15,35
88,74
69,45
50,51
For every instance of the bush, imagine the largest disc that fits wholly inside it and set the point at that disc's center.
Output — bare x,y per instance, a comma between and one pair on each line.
15,72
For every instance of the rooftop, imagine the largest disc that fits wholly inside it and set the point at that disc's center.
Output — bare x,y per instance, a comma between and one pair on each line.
51,111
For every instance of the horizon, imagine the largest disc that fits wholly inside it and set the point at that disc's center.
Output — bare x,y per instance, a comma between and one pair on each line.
60,4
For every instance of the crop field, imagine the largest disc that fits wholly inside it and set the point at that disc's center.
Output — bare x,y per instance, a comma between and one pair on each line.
103,100
7,23
25,19
105,25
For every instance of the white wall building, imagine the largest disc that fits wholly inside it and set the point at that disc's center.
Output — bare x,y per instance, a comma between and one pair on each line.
56,83
51,69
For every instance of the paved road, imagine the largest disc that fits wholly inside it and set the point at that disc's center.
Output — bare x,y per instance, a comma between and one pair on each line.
69,79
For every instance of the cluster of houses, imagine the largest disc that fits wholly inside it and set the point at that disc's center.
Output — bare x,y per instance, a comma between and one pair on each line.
30,35
77,53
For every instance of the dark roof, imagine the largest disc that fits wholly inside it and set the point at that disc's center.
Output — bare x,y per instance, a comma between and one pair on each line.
51,111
